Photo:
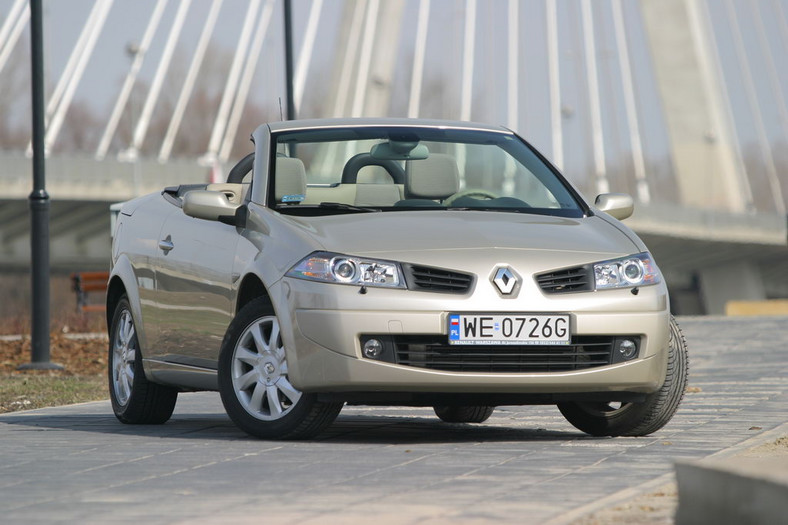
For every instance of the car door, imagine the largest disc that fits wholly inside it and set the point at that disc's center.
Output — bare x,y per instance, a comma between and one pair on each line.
136,238
194,289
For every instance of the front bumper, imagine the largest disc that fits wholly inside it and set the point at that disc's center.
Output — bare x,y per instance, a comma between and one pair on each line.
322,325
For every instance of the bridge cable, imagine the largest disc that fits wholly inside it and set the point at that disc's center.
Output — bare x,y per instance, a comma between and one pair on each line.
362,79
513,112
774,80
188,83
12,29
594,101
220,124
349,59
305,56
755,110
158,79
246,81
343,91
61,100
630,105
466,90
131,77
554,81
417,76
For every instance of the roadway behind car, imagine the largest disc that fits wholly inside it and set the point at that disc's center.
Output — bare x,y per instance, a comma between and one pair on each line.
398,465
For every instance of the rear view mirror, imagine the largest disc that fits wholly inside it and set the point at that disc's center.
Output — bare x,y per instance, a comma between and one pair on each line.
399,151
618,205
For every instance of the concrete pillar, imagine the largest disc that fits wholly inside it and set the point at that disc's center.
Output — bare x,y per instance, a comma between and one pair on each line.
706,159
740,281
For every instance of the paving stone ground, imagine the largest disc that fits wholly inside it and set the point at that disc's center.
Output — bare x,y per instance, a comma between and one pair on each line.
77,464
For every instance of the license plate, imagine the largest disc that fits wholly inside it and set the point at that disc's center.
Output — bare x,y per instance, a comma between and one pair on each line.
508,329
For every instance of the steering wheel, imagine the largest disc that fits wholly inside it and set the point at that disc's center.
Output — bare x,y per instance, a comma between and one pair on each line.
471,192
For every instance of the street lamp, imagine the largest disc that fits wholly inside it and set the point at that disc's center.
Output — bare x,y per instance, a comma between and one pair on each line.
39,204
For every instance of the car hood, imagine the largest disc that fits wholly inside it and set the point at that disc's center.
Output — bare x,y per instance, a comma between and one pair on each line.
421,236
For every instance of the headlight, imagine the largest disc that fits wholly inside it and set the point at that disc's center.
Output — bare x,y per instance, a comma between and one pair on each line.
343,269
627,272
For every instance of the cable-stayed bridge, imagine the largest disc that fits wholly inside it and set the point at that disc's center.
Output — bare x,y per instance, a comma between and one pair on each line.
681,103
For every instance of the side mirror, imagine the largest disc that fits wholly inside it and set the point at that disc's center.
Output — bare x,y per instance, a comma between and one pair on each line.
209,205
618,205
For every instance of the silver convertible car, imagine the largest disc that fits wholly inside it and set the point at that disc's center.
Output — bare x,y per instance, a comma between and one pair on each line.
389,262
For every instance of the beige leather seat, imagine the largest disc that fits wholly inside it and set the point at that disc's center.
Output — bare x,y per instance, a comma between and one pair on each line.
432,179
290,186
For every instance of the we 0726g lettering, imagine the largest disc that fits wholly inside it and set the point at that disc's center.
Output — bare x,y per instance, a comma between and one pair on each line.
511,329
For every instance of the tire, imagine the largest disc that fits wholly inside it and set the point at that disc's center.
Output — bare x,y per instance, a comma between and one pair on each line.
254,384
464,414
135,400
637,419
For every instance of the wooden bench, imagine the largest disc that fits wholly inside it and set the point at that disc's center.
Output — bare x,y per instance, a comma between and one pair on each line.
86,282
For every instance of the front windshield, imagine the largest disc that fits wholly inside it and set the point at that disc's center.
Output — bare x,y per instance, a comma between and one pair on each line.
326,171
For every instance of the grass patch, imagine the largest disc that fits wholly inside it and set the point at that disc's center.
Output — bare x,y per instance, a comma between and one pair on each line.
26,392
83,378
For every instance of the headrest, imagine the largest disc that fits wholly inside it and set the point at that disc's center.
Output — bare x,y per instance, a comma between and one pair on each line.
290,184
435,177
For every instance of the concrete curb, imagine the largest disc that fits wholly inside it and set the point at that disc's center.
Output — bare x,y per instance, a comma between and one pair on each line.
631,493
72,337
737,490
732,489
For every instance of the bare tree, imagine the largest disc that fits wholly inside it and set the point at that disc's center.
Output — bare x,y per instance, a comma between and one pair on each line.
81,132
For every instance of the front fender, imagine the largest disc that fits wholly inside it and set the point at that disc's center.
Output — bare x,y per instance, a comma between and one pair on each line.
122,271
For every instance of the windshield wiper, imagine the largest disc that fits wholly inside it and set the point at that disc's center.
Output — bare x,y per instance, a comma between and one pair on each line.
489,208
346,207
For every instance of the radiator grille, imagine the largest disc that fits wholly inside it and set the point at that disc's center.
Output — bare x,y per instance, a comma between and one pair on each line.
569,280
429,279
434,353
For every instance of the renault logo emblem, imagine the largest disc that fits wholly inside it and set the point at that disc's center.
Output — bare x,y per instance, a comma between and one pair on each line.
507,281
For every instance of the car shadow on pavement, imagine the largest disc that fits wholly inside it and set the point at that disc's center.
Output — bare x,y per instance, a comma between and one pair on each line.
348,428
426,430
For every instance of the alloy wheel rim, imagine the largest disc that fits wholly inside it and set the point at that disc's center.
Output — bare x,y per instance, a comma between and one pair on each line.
259,372
124,353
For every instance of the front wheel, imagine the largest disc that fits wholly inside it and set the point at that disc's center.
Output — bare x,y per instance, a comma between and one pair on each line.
254,381
637,419
135,400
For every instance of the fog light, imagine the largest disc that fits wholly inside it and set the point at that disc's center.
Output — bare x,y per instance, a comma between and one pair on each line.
627,348
373,348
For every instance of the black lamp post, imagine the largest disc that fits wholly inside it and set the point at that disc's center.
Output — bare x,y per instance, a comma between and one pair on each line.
291,112
39,204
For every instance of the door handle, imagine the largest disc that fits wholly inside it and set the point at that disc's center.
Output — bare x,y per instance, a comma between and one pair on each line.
166,244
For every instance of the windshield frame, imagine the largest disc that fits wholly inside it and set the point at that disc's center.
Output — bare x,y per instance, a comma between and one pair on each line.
505,139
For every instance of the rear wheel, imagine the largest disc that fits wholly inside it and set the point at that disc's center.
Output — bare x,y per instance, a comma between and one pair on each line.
463,414
134,399
637,419
254,381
